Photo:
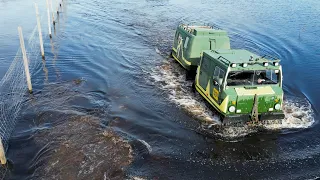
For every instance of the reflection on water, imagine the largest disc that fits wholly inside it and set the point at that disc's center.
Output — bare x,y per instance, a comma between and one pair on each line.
45,70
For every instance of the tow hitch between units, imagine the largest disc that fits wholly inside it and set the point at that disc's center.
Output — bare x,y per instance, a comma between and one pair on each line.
254,113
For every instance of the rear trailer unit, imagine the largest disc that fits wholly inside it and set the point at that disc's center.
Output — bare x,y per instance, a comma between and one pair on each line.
190,41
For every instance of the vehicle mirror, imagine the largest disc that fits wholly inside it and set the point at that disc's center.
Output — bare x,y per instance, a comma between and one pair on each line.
215,82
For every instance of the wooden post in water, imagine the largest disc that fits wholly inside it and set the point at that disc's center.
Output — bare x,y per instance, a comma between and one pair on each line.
49,24
39,30
58,10
52,13
25,60
3,159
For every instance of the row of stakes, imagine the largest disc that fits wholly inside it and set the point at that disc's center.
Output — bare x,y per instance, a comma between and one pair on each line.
24,54
3,159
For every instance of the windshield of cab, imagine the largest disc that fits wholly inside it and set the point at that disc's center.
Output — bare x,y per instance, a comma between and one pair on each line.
253,77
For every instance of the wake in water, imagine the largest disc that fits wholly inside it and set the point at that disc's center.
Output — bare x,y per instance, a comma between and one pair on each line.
170,77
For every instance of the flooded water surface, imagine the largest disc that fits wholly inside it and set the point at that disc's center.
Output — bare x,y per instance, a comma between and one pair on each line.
109,103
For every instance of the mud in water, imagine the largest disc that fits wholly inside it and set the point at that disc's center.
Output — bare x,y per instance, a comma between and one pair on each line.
73,142
80,149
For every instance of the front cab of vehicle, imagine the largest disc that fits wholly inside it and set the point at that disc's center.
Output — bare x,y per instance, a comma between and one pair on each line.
240,85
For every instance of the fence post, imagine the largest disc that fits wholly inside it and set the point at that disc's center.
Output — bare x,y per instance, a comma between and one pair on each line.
3,158
52,13
58,9
25,60
49,24
39,30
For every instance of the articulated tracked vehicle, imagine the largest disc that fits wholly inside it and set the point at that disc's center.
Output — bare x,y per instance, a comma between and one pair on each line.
240,85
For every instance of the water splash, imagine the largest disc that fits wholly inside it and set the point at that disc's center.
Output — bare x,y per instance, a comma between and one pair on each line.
171,77
146,145
298,114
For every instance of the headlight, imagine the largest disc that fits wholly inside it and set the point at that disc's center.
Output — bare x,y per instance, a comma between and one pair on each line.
233,65
277,106
232,109
244,65
265,64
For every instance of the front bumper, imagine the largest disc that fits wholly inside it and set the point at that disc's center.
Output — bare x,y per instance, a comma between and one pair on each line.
245,118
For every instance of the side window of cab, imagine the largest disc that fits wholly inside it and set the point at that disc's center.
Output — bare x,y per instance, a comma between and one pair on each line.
186,42
272,75
218,76
205,64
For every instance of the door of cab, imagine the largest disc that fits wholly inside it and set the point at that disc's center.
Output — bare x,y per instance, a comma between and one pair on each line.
179,46
216,82
204,72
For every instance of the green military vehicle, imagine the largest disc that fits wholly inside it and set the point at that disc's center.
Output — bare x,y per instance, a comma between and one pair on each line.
240,85
190,41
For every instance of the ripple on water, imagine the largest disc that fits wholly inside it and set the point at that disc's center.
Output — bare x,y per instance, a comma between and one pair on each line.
170,77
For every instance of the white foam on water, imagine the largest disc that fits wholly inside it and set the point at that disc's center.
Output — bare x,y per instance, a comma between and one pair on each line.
170,76
137,178
298,114
146,145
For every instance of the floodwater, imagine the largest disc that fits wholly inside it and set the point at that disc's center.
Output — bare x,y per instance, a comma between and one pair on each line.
108,101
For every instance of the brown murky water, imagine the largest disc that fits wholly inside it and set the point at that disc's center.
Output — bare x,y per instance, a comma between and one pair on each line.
80,149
